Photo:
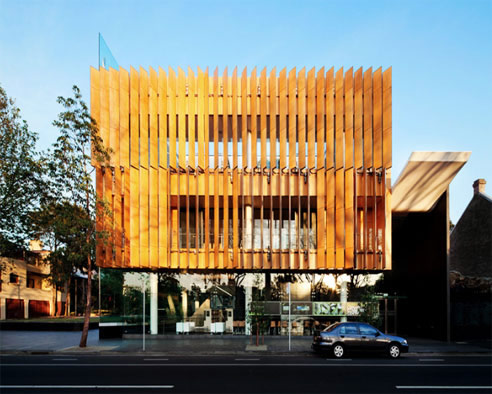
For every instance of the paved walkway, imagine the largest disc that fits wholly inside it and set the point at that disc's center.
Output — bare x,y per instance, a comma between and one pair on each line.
43,341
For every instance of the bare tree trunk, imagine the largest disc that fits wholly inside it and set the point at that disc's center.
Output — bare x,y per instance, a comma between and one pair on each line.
87,314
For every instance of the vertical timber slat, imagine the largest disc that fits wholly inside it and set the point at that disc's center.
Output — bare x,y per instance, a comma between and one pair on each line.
225,175
349,172
339,171
387,163
330,163
320,170
216,167
153,174
332,180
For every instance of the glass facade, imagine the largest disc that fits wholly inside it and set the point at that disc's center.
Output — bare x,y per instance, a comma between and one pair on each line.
229,303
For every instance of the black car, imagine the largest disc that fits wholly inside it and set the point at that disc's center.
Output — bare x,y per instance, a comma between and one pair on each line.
340,338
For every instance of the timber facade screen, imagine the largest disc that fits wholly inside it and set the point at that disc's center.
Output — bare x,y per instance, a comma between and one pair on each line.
278,171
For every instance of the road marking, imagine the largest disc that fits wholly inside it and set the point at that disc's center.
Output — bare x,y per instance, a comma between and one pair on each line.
444,387
85,387
247,364
431,359
64,359
156,359
246,359
338,359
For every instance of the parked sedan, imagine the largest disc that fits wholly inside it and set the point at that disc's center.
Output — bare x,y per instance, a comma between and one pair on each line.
340,338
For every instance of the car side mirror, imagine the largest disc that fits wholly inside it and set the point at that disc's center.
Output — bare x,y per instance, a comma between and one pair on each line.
377,334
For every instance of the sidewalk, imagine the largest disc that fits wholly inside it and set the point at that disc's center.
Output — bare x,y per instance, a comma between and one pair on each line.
51,342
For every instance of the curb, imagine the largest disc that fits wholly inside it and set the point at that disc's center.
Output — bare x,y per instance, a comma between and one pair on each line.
309,353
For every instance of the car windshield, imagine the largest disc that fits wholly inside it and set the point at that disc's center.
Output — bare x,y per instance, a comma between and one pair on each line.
332,327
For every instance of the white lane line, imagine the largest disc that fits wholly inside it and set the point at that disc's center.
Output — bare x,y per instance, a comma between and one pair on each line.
156,359
431,359
64,359
444,387
247,364
85,387
246,359
338,359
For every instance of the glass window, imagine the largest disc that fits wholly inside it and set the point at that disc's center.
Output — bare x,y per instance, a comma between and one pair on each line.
349,329
332,327
366,329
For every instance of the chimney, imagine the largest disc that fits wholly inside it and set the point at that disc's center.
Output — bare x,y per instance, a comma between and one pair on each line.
479,186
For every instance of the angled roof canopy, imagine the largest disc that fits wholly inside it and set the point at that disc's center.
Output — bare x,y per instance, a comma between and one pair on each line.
425,178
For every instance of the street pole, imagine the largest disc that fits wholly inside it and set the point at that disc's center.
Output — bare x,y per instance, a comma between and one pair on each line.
143,315
288,291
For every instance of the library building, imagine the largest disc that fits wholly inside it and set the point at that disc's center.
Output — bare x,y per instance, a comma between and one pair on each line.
234,192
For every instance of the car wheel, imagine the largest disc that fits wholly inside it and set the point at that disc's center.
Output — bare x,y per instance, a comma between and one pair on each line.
338,350
394,350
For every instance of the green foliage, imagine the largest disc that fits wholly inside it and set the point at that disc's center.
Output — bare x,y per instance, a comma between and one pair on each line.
70,208
259,321
70,165
168,284
67,215
132,301
63,226
112,281
369,307
21,180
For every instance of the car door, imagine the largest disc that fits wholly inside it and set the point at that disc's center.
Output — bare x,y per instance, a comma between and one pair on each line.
371,338
350,336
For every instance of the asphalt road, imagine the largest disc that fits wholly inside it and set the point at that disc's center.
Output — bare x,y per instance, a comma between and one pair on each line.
243,374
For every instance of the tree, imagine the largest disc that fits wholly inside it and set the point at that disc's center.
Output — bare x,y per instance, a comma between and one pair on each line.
62,226
73,205
112,282
369,307
21,180
168,283
257,317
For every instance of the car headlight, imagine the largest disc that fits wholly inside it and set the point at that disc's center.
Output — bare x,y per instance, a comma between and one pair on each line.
404,342
327,340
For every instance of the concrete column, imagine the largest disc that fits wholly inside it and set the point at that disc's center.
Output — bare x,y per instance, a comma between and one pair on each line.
343,298
184,297
26,308
249,158
248,210
296,231
248,236
3,309
312,230
229,321
153,303
249,297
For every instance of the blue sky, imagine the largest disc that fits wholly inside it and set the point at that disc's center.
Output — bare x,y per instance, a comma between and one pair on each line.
440,51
